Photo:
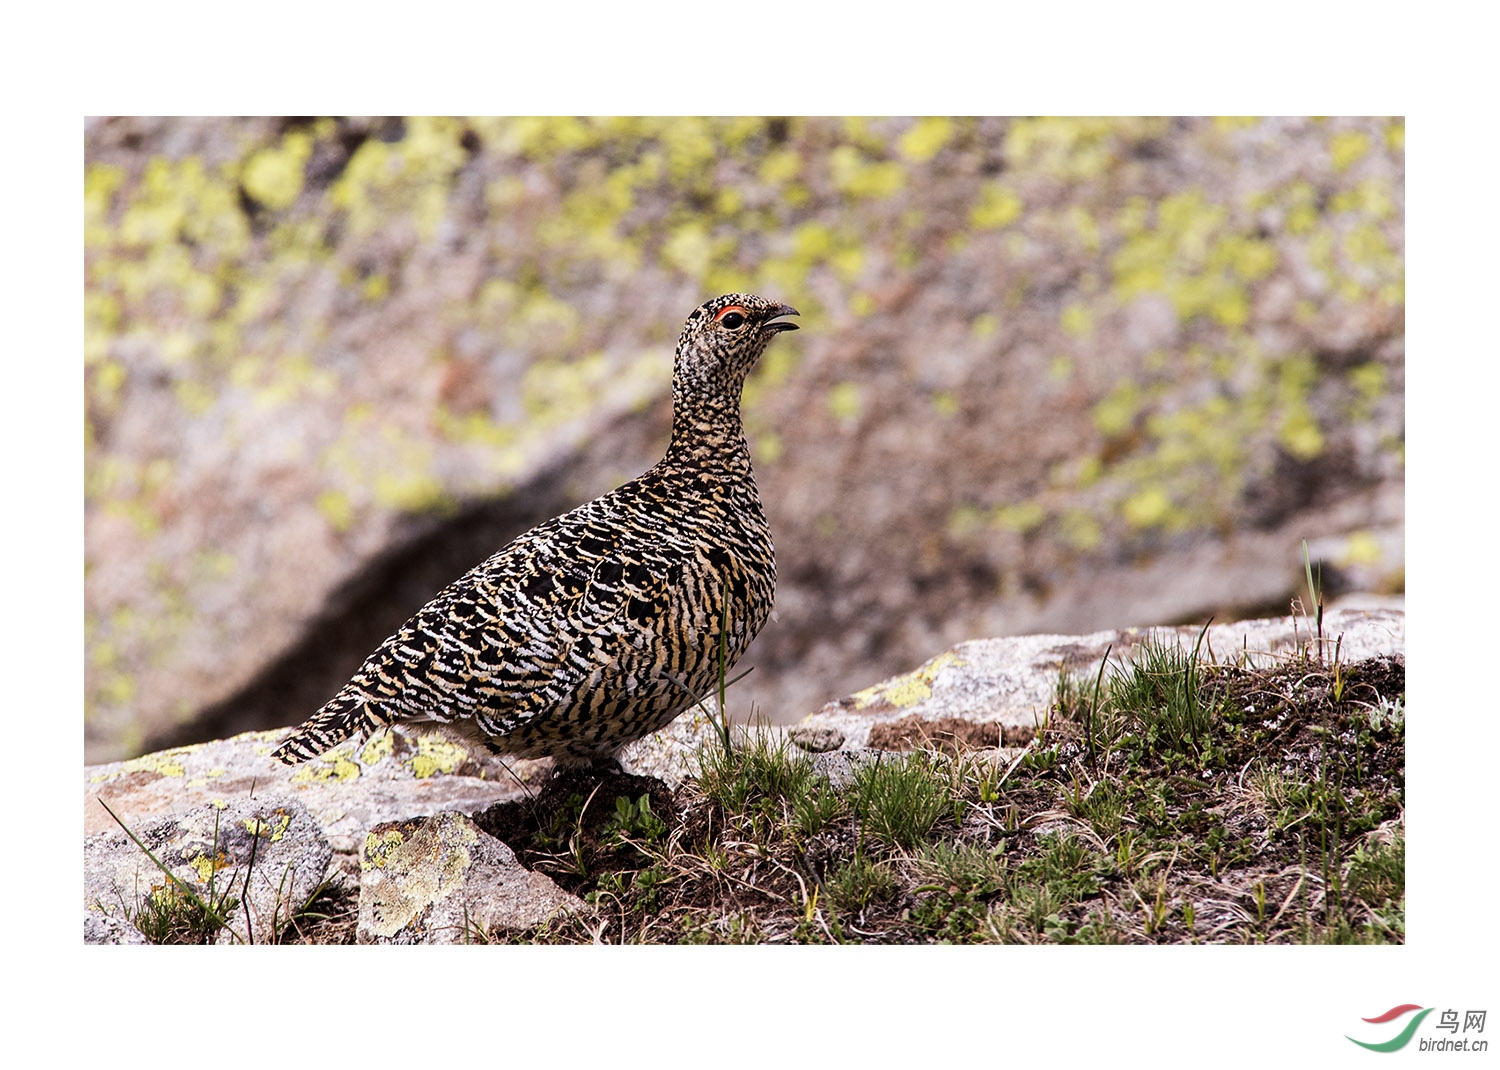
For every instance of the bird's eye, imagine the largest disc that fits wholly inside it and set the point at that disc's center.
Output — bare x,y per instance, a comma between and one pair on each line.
731,319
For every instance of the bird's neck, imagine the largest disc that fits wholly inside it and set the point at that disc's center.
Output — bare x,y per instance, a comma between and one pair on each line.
707,433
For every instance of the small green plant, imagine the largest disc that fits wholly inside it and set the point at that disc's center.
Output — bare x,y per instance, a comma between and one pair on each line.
1098,735
900,799
1161,696
964,868
1286,797
1067,863
817,807
1340,678
569,821
1387,712
986,775
1128,855
1037,905
645,888
762,768
1314,596
633,821
172,913
1102,806
1153,902
858,883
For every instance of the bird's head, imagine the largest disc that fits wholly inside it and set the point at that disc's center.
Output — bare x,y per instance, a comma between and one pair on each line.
723,338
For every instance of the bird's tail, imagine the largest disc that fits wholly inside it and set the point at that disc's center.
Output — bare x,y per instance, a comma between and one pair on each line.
341,719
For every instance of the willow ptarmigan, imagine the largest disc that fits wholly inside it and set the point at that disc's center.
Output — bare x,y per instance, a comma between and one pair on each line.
601,625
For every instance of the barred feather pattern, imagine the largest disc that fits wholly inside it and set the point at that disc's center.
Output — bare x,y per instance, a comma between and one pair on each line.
602,625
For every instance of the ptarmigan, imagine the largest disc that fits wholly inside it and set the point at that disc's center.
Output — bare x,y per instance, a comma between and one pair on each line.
601,625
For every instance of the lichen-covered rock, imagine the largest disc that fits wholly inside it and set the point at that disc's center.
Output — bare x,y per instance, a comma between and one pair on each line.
263,858
394,774
443,880
1010,682
1057,375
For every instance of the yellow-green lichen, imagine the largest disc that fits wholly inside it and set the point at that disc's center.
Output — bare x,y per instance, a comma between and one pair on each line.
1080,530
691,249
1074,148
1020,517
1360,548
273,830
1147,507
335,765
273,176
859,177
1118,409
846,401
923,139
1348,148
424,869
336,509
1298,430
377,748
410,178
378,847
767,447
436,755
964,521
909,689
1076,321
166,763
1192,254
998,206
1369,383
205,866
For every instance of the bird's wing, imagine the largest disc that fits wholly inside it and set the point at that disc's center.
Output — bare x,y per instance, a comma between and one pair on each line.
559,608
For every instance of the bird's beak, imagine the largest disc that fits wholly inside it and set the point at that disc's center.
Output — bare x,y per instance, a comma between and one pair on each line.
774,325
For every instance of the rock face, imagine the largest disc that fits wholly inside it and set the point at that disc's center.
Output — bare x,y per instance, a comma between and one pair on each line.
392,776
266,852
443,880
1055,375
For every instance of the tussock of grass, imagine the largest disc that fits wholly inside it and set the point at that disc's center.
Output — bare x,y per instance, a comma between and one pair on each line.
899,798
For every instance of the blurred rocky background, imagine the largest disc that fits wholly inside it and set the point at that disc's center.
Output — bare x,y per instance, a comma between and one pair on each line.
1055,375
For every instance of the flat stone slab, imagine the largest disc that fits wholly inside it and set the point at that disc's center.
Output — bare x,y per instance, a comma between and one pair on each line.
396,774
1012,681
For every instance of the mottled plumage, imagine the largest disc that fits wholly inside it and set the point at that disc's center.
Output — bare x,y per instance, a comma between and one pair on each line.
596,627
